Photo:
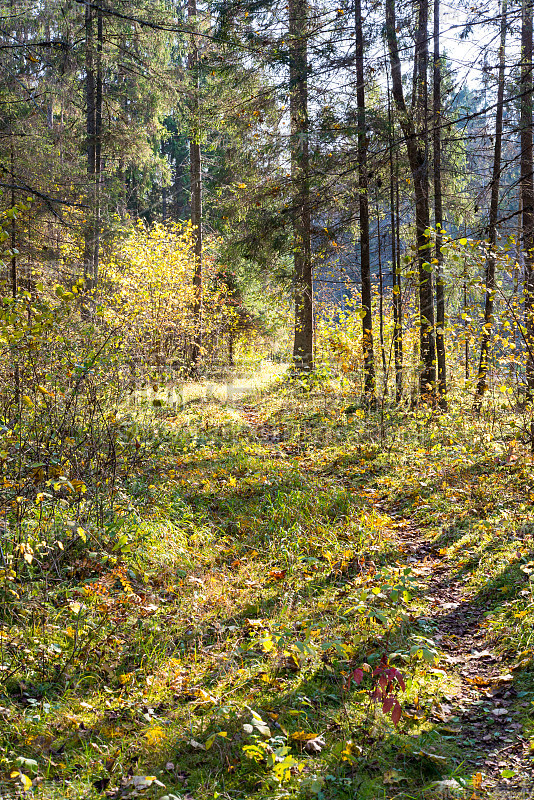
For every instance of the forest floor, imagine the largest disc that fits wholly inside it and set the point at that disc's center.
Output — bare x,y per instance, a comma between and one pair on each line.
308,599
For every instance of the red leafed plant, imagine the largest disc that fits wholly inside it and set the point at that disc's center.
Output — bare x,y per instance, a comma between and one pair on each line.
386,682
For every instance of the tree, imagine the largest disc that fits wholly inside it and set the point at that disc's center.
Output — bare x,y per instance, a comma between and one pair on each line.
527,187
363,195
438,219
195,166
492,222
300,176
416,139
93,113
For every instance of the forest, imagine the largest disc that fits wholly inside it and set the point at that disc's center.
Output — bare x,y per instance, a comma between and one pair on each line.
266,400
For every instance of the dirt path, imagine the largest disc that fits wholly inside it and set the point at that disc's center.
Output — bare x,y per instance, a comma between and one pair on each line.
484,711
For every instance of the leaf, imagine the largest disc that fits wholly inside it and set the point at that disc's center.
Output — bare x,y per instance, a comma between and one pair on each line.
441,760
388,704
448,788
507,773
263,729
303,736
29,764
196,745
144,782
26,782
462,241
315,746
357,676
393,776
396,713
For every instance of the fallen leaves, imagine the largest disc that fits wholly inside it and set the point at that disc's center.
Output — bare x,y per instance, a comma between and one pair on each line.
315,746
393,777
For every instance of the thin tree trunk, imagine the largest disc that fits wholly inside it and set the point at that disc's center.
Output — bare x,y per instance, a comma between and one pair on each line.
381,301
466,326
98,144
91,231
163,188
438,220
527,189
416,145
398,294
482,383
300,174
397,333
195,162
14,274
363,189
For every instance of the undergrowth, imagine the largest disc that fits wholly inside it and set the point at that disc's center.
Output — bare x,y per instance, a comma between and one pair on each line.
243,618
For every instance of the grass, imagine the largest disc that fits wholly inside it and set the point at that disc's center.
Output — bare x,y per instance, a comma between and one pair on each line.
211,651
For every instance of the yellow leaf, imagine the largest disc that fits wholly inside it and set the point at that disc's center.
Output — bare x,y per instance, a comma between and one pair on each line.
26,782
303,736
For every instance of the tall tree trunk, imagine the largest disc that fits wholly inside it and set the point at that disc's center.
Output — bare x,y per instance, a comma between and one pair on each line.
466,323
492,223
394,277
91,232
438,219
381,301
398,293
163,188
195,163
98,142
363,192
416,145
14,271
527,188
300,174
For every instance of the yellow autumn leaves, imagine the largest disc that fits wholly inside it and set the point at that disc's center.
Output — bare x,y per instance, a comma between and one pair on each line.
151,293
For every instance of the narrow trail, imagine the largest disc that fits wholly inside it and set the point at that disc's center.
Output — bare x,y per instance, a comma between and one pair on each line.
484,710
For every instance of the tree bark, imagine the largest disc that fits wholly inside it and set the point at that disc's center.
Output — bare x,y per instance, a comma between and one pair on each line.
91,233
397,298
527,189
438,219
300,174
482,383
363,194
381,302
416,145
195,164
14,271
93,97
